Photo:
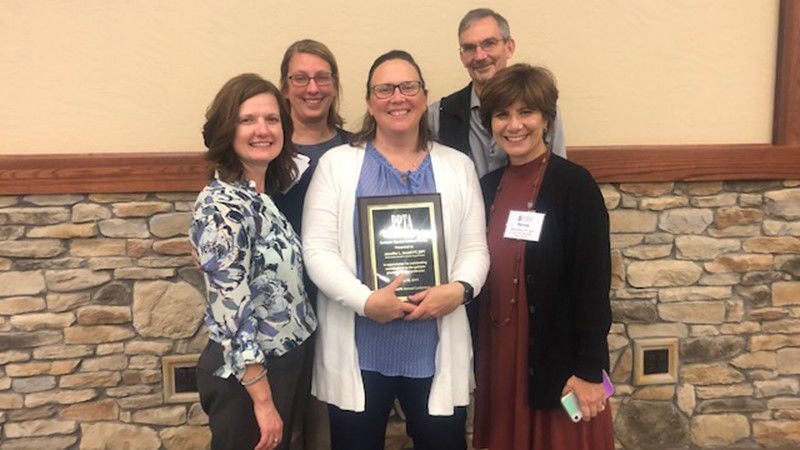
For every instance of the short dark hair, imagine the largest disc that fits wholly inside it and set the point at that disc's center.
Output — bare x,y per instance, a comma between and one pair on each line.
479,13
369,126
534,86
319,49
219,131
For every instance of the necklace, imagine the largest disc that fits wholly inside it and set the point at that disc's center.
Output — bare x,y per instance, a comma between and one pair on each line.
496,305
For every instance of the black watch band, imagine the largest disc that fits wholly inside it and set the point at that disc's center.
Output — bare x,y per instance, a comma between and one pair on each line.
469,293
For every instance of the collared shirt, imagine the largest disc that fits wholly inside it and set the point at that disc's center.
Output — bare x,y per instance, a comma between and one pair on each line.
485,153
492,157
253,268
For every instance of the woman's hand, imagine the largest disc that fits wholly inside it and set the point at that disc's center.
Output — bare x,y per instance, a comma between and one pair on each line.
591,396
270,425
383,305
437,301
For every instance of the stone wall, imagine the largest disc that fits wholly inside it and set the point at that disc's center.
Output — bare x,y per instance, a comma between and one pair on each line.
95,289
715,265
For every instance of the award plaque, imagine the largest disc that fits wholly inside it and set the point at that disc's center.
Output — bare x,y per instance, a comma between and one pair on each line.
402,234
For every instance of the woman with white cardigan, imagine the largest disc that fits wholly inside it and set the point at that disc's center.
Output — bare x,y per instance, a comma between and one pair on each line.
372,346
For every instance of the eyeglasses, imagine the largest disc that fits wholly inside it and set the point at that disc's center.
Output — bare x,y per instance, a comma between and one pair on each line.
386,90
487,45
321,78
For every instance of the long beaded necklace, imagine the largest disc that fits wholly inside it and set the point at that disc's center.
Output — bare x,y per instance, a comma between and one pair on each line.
518,253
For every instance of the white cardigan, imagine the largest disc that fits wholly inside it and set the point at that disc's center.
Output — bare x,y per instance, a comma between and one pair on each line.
330,258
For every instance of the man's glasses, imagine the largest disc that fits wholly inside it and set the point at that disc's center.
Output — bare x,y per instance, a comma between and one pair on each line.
487,45
321,78
386,90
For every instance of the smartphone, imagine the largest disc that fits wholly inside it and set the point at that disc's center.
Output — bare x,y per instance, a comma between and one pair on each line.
570,401
572,407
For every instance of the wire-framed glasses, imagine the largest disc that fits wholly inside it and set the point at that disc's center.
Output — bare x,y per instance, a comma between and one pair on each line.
321,78
487,45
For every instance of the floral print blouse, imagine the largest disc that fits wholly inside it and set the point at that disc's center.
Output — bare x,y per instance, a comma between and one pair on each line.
252,263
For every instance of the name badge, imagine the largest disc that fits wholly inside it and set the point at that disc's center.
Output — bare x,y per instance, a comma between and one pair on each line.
524,225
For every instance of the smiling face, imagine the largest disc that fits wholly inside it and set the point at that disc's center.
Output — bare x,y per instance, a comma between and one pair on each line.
399,113
310,103
482,64
519,131
259,136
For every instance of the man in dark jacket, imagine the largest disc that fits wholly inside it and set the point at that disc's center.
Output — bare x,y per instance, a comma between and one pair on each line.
485,46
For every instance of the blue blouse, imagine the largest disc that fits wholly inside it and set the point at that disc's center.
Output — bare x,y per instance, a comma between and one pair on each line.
252,263
397,348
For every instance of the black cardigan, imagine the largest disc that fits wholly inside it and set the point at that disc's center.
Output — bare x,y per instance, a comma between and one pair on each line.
567,275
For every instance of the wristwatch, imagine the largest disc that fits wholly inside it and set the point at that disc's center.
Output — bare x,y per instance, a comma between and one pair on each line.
469,293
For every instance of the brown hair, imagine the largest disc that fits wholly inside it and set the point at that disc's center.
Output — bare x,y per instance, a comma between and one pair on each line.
219,131
534,86
369,126
319,49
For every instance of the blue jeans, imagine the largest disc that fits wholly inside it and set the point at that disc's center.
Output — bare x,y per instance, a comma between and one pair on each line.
367,430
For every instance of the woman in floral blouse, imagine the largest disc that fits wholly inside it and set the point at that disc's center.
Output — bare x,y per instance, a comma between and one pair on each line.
258,315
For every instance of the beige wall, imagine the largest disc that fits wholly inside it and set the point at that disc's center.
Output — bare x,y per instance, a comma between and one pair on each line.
128,76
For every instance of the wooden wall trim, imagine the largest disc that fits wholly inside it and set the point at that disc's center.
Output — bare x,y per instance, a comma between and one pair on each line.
786,125
185,172
689,162
102,173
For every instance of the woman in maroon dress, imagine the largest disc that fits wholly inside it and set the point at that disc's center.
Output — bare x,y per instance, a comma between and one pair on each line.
545,314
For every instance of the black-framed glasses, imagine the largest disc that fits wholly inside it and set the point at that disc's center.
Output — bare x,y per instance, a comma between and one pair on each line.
386,90
321,78
487,45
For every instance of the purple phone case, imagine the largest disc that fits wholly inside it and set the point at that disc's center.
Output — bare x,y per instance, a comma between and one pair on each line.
608,386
